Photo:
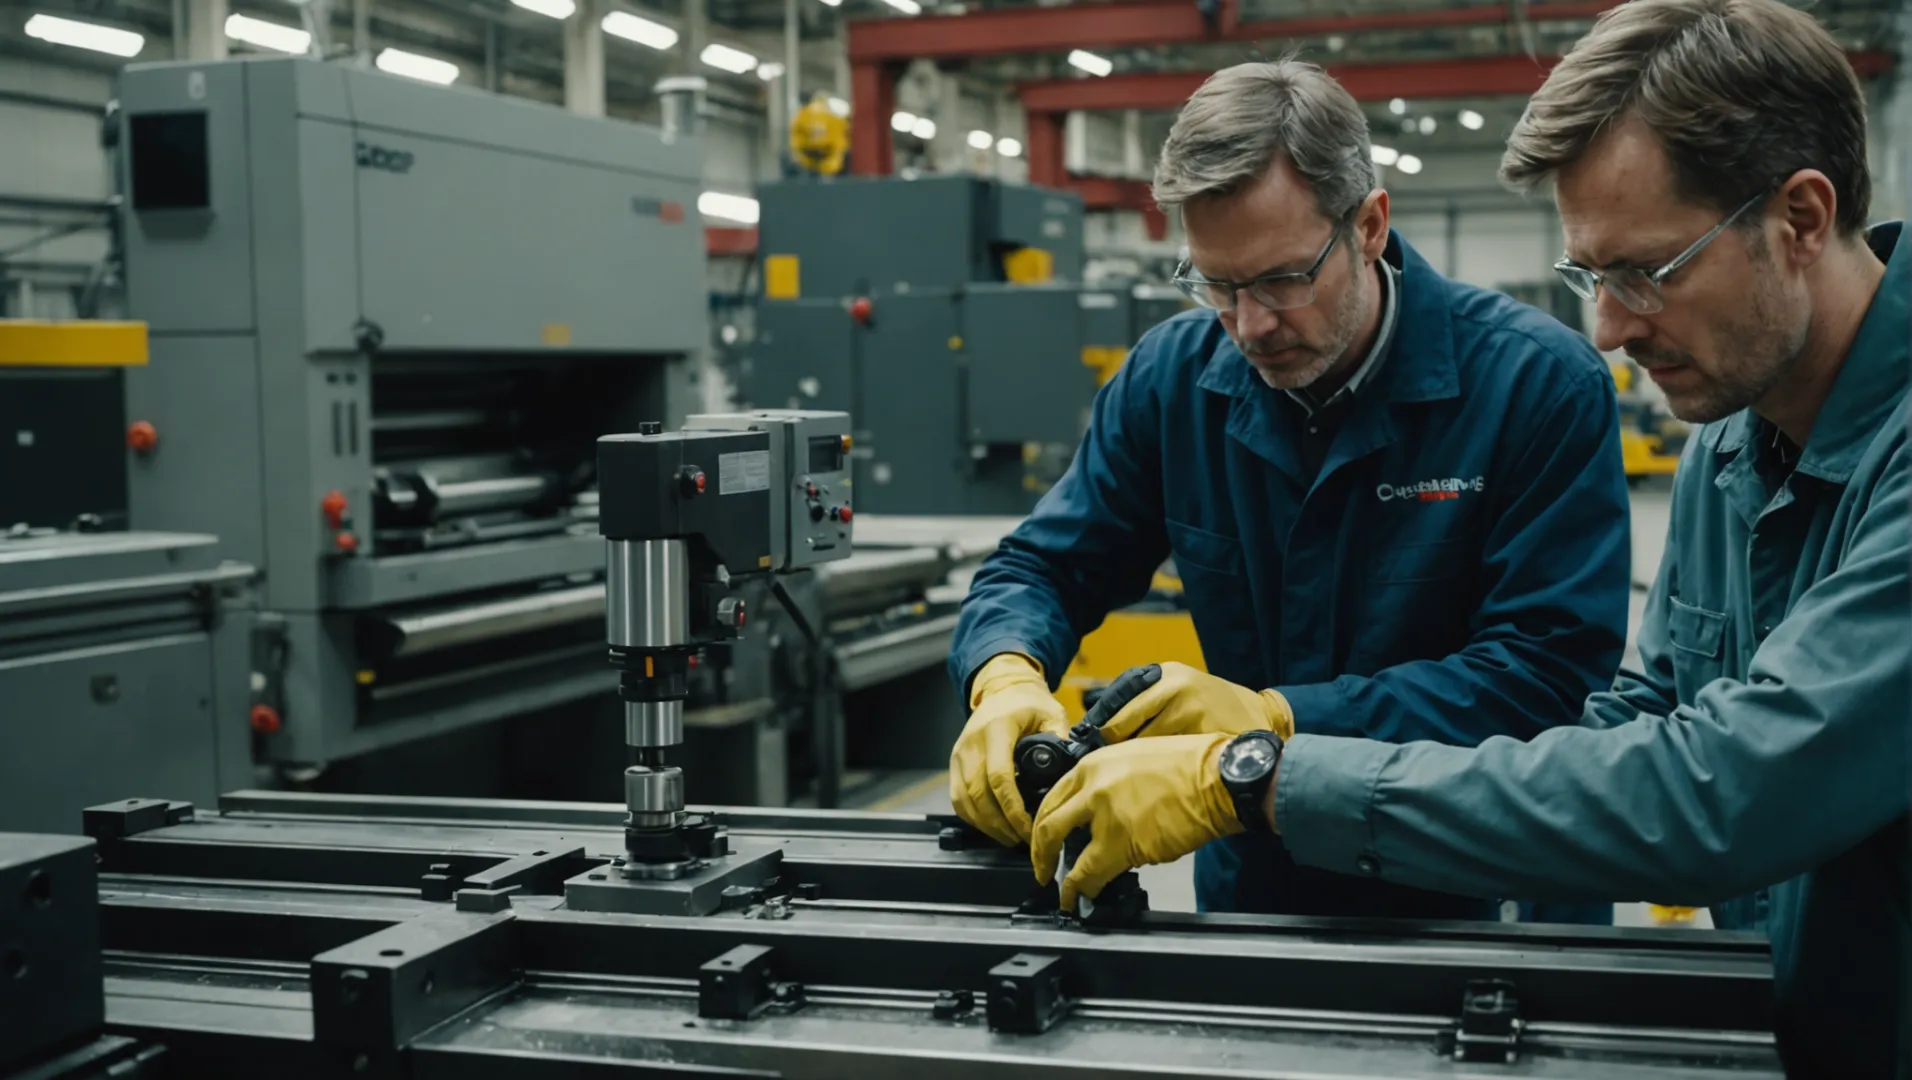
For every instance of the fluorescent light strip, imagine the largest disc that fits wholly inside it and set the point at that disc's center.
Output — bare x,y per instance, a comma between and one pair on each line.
267,35
630,27
907,7
85,35
769,70
413,66
738,208
551,9
724,58
1091,63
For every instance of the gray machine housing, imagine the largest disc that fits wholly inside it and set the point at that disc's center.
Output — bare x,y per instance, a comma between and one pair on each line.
430,301
969,392
124,666
811,448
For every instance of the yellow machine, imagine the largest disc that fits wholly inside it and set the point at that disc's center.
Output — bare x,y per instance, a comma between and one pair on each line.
1155,631
1650,439
819,138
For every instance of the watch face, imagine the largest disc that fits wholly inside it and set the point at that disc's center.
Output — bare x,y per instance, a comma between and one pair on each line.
1248,759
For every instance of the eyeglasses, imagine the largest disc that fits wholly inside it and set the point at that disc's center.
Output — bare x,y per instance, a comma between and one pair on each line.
1276,292
1639,290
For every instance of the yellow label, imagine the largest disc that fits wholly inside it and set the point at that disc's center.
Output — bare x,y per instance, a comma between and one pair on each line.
367,677
556,333
650,668
76,343
1029,266
782,278
1105,359
955,342
763,562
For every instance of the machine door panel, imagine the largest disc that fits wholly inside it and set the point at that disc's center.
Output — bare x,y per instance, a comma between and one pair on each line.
188,219
430,280
202,397
1027,381
910,400
802,358
100,724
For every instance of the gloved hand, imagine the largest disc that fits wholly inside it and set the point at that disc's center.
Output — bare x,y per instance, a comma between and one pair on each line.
1175,699
1144,802
1008,699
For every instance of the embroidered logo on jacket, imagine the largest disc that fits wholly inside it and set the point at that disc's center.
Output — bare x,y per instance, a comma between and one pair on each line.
1439,489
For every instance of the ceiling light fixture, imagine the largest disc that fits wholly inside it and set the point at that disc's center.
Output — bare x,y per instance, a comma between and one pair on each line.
902,121
907,7
1383,155
1427,125
769,70
1008,147
981,140
1091,63
631,27
839,106
267,35
1409,164
924,128
1397,106
85,35
413,66
724,58
738,208
1472,120
551,9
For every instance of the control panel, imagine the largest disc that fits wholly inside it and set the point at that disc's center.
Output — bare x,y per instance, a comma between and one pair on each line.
809,480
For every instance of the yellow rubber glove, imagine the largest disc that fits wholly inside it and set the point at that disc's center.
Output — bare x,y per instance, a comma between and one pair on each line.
1008,699
1144,802
1175,699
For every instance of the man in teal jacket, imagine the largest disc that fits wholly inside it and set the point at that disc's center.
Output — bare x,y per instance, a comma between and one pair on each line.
1708,158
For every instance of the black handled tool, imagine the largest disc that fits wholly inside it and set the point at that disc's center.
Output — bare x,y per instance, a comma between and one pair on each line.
1042,760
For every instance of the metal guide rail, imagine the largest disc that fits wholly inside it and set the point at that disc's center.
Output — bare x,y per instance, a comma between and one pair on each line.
300,935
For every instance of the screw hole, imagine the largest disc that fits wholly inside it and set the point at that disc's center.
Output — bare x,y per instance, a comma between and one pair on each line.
40,889
536,854
391,952
1019,963
132,802
726,963
14,964
690,1023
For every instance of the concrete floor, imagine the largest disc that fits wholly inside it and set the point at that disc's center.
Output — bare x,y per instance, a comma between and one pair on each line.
1172,888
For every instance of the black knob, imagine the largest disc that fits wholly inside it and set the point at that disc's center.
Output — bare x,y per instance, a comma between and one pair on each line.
650,427
816,511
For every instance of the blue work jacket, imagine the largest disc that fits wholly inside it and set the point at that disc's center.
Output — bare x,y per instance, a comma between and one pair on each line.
1457,569
1763,744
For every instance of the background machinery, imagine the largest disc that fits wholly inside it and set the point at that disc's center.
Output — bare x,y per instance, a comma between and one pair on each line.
379,380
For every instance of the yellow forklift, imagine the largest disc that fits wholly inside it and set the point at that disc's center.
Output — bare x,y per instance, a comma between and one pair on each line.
1651,438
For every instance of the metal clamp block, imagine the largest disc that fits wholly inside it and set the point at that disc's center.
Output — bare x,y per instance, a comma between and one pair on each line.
114,821
735,985
1490,1023
1025,994
484,901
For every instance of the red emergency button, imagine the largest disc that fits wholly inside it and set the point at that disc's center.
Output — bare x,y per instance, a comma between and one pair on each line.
691,481
860,309
265,719
840,513
142,437
346,542
333,507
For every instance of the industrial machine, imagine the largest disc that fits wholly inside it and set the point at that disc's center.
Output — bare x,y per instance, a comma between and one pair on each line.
124,666
388,322
944,313
297,934
62,421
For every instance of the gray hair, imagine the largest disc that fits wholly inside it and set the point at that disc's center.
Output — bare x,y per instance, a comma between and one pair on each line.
1244,117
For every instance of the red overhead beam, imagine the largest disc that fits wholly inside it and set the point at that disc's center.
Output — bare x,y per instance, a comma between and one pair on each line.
1415,80
1110,193
1127,23
721,240
872,100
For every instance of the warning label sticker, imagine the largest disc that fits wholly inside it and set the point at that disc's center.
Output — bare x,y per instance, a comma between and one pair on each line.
748,470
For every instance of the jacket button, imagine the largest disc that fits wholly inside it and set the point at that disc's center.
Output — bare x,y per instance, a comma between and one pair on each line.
1368,865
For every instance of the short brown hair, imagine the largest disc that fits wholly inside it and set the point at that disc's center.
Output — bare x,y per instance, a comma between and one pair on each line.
1741,93
1244,117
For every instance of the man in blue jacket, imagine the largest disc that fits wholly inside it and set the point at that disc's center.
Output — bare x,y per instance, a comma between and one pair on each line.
1396,503
1763,744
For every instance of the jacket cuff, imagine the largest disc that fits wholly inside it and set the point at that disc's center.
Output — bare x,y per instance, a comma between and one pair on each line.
1324,801
1315,706
977,655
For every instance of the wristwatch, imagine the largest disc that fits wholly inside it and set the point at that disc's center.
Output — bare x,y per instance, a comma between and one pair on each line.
1248,765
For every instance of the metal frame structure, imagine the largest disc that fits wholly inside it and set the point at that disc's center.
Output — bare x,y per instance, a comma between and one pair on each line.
298,935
